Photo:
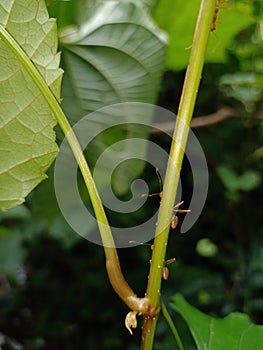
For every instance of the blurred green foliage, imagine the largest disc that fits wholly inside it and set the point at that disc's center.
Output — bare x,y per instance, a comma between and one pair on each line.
178,19
57,295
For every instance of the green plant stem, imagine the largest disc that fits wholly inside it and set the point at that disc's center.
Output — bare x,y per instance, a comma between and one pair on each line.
169,320
116,277
185,112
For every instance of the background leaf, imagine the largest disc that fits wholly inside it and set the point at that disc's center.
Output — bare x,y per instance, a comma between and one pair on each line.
232,17
115,56
234,183
234,332
27,139
112,53
11,252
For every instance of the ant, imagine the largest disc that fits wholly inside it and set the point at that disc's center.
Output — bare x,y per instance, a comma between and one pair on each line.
217,8
174,220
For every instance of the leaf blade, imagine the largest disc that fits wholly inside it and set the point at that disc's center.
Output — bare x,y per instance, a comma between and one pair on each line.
113,42
27,138
235,330
115,56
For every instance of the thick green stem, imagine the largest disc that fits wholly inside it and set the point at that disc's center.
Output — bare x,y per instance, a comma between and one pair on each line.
112,262
186,107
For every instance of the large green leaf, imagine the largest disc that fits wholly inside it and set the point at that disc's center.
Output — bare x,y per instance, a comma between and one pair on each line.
117,35
27,138
235,331
115,55
178,18
74,12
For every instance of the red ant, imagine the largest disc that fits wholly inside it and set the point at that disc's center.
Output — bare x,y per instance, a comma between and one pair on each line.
174,220
217,8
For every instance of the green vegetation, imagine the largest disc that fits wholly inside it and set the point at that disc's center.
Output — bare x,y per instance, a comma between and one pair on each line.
54,290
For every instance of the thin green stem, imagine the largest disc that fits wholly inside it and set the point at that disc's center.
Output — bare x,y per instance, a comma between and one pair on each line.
169,320
112,261
185,112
